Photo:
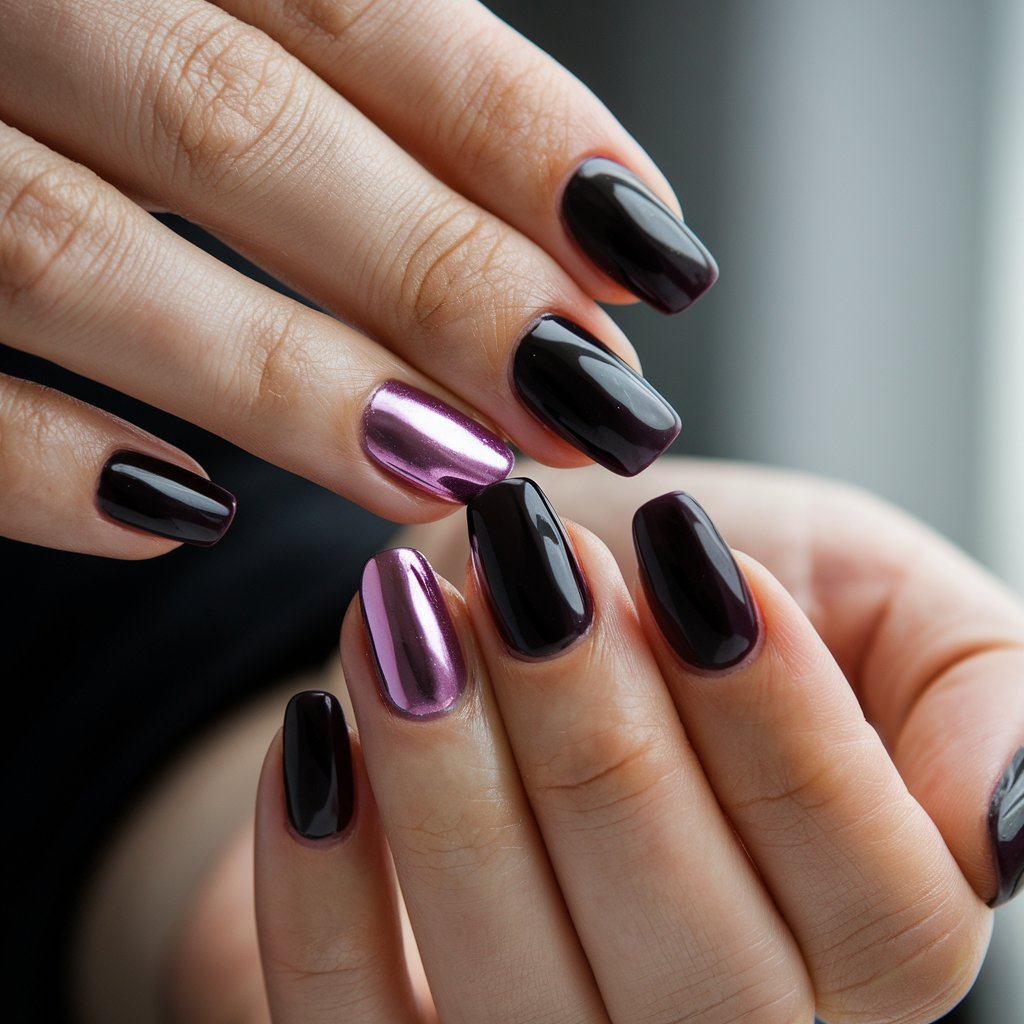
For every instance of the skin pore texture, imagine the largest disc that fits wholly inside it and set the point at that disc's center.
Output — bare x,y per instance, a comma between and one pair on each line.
148,923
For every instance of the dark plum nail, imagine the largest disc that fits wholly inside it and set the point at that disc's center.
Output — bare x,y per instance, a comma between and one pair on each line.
162,498
414,643
1006,826
318,782
634,237
696,591
582,391
527,569
435,447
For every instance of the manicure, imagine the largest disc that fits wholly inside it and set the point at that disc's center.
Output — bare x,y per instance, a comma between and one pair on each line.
527,569
696,591
634,237
318,782
414,643
164,499
433,446
1006,827
586,394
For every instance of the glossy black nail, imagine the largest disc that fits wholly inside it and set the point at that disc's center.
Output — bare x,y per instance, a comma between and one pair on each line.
162,498
696,591
634,237
585,393
1006,827
527,569
318,783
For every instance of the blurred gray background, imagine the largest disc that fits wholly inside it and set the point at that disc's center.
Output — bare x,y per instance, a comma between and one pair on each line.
858,171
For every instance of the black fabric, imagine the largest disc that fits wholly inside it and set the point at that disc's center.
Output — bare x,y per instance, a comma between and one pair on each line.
109,668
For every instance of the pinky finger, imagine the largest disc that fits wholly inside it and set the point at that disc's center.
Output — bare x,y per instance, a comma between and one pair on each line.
326,905
76,478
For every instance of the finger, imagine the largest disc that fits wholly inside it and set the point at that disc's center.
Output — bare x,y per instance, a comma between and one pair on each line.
887,924
482,898
649,867
931,643
507,127
78,479
210,117
326,909
90,281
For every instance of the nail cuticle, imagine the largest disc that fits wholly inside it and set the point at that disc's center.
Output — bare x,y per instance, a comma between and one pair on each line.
316,757
526,568
696,591
421,669
633,236
578,387
427,443
1006,830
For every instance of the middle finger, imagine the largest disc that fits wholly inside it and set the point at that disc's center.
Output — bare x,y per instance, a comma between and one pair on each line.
188,108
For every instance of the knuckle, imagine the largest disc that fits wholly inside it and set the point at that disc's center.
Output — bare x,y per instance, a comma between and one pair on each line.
333,19
511,102
604,778
225,97
453,264
278,365
910,967
446,847
29,425
52,213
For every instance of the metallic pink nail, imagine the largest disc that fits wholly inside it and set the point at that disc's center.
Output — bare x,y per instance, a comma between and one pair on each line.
418,656
425,441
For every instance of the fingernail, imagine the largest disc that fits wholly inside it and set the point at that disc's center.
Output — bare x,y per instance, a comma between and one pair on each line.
435,447
634,237
696,591
1006,826
586,394
318,782
414,643
162,498
527,569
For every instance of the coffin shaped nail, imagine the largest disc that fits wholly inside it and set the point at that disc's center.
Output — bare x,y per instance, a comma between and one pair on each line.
1006,827
419,660
589,396
696,591
164,499
318,781
634,237
425,441
527,569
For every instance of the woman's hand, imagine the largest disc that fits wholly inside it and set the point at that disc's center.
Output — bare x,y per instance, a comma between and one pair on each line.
678,811
414,166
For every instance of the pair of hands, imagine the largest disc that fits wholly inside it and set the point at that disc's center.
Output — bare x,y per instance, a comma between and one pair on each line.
415,167
609,833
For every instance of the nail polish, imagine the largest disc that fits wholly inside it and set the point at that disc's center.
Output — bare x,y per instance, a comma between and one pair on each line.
318,783
588,395
634,237
696,591
415,646
162,498
431,445
1006,827
527,569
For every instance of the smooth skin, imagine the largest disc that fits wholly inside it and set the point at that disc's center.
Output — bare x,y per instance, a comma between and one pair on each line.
400,162
568,840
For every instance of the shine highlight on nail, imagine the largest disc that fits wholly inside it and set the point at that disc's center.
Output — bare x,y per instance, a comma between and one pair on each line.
426,442
419,660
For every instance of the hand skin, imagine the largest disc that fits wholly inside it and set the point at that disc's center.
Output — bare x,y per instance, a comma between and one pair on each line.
400,162
930,643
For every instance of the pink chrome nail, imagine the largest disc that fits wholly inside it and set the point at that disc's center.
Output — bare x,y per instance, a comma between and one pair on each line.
425,441
422,671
